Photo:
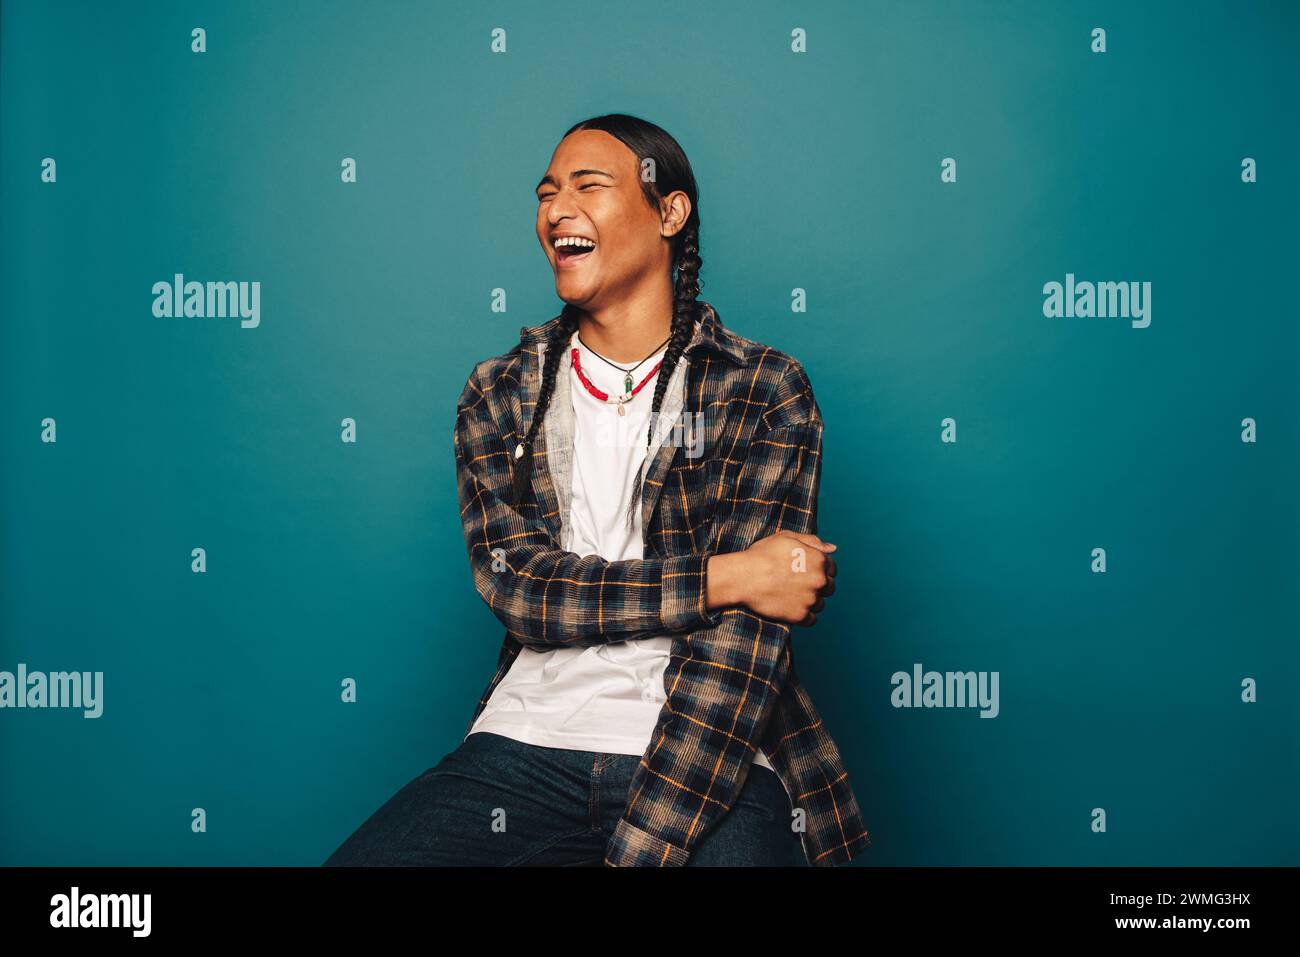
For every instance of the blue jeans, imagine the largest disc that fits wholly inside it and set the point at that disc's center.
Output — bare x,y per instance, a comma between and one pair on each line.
497,801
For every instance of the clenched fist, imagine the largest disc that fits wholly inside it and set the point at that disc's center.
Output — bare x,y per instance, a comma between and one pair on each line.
786,576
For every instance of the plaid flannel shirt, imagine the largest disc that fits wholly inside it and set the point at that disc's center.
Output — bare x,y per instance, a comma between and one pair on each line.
730,681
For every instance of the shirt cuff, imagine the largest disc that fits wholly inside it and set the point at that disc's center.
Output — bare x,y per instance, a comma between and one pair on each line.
683,603
632,847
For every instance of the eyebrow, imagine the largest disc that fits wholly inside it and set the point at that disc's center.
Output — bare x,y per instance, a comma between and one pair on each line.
574,175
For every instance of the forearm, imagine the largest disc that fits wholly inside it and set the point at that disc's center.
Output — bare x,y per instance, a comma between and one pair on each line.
548,597
725,580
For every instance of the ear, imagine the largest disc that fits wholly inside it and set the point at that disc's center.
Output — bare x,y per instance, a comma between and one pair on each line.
675,210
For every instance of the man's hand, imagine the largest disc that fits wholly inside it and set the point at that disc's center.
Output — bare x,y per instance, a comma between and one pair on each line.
786,576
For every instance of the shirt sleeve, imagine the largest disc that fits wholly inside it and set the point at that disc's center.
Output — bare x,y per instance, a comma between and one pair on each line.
545,596
723,681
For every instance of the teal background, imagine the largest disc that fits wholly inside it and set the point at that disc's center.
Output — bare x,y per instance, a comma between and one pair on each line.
818,171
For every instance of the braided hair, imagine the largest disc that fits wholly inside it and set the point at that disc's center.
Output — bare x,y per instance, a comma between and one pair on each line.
672,172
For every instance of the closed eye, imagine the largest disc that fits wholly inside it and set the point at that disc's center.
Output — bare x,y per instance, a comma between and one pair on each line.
543,197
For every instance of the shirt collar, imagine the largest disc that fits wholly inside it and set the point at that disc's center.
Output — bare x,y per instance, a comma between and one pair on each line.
710,335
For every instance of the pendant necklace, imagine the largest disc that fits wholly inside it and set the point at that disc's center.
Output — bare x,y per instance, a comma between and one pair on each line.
629,390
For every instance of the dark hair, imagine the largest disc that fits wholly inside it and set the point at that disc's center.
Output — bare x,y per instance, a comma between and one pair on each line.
672,171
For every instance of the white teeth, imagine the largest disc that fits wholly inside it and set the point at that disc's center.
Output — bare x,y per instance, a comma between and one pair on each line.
578,241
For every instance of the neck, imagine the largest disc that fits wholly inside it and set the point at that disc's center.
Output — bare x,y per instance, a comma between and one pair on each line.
632,328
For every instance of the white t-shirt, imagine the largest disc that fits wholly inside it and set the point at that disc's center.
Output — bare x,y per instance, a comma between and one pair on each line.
607,697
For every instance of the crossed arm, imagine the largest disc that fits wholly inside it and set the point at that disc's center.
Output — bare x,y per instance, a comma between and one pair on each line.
547,597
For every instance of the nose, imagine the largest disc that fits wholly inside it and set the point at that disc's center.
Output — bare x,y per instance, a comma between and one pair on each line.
561,206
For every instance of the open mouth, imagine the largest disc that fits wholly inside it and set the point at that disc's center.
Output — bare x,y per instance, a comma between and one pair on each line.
571,250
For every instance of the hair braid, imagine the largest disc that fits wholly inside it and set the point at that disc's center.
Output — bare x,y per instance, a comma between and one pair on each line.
686,292
560,337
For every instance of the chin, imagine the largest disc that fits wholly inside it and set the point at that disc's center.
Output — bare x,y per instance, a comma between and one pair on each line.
571,293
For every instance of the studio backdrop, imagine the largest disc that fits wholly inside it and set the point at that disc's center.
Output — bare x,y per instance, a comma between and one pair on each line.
1037,259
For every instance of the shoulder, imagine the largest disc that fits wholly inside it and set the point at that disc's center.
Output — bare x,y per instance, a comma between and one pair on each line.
491,379
503,372
771,377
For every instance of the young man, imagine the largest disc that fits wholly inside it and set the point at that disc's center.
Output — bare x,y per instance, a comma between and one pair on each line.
638,491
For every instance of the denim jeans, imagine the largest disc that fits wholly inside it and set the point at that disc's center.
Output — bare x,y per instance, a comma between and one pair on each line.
497,801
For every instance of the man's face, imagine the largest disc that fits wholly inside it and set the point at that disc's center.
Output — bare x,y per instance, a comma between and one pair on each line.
592,190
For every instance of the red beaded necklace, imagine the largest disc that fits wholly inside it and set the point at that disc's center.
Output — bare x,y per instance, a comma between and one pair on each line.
628,390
